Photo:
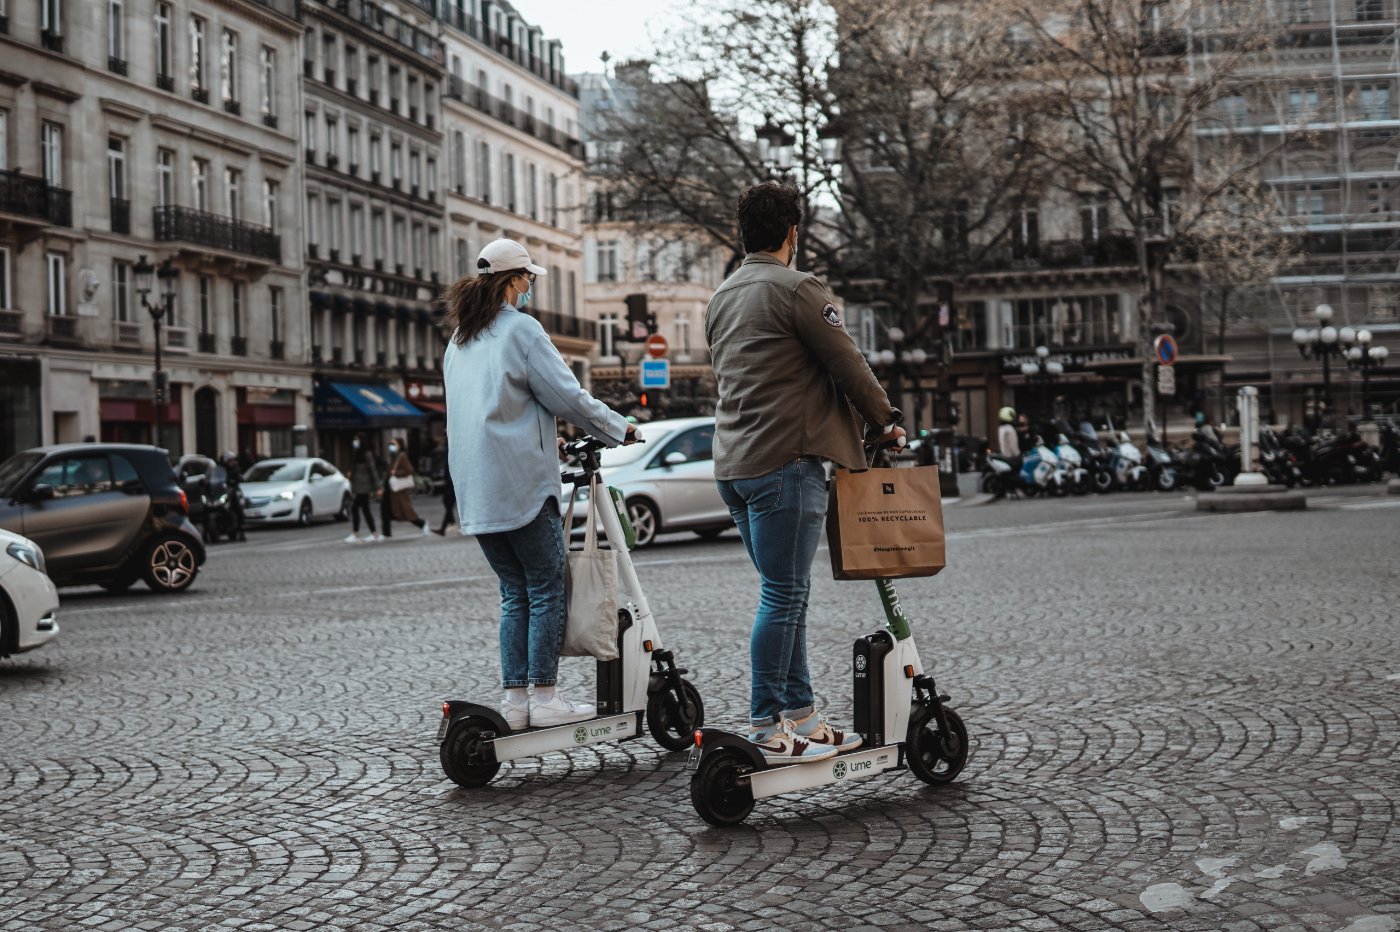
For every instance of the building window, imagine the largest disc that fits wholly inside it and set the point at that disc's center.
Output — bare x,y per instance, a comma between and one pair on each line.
682,326
116,32
396,163
333,227
1302,104
313,212
165,178
573,294
116,168
1369,10
197,66
1375,101
415,171
1093,218
121,291
310,134
4,137
1236,110
483,170
463,258
164,63
237,310
274,309
228,66
606,324
532,203
556,289
267,78
378,233
199,183
434,244
399,244
416,244
206,321
352,148
328,58
357,232
51,145
605,260
508,175
51,17
332,138
233,192
1025,235
1378,197
551,204
459,162
376,157
270,193
56,265
4,277
432,179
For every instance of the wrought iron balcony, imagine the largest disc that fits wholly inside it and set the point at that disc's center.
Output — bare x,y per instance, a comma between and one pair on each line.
165,82
208,343
51,40
34,197
239,345
116,65
207,229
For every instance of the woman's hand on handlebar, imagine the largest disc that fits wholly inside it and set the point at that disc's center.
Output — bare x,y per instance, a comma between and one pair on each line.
631,436
895,438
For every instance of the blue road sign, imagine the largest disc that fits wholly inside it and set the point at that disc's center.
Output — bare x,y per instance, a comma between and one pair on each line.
656,373
1164,348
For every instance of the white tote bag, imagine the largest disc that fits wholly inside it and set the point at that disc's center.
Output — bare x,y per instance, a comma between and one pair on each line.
591,587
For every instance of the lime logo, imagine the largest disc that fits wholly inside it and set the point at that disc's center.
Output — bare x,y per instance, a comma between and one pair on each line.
860,661
580,735
838,770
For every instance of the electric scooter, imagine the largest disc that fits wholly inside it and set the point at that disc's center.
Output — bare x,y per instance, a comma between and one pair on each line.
643,682
899,714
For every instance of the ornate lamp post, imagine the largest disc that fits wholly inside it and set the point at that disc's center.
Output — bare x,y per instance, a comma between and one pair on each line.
162,308
1043,372
1366,357
1321,343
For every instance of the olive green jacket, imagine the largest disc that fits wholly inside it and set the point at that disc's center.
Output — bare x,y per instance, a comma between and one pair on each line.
791,380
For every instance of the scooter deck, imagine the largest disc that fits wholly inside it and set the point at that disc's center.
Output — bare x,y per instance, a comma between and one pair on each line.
855,765
537,741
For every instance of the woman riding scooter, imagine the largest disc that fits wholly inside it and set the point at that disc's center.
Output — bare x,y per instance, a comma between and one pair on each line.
505,384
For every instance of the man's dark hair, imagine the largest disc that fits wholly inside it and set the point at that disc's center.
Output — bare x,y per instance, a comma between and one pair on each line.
766,212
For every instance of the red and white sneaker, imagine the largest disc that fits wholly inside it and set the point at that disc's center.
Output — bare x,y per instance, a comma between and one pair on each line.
815,729
784,747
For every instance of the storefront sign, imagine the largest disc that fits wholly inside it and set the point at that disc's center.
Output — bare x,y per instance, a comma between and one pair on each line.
1072,360
418,390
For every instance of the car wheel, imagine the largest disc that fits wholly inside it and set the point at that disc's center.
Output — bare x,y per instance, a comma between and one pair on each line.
170,564
304,513
345,504
646,521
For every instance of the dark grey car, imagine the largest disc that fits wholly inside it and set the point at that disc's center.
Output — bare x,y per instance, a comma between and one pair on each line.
103,513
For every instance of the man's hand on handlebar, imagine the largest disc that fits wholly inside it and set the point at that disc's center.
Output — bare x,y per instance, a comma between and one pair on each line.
895,438
632,436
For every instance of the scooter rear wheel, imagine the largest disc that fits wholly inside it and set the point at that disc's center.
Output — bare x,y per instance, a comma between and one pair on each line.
715,791
667,720
461,753
934,757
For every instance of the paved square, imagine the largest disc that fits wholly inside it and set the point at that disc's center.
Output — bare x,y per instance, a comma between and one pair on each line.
1179,721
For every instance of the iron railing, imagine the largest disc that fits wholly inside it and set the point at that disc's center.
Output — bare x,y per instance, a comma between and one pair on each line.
35,197
207,229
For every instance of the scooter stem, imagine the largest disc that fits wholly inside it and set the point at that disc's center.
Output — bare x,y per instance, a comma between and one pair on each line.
895,621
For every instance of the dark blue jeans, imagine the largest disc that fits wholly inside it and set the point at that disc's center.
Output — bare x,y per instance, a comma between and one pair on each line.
530,564
780,518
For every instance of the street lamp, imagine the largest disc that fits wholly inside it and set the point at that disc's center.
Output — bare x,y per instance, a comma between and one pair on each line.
775,145
164,307
1366,357
1323,342
1042,372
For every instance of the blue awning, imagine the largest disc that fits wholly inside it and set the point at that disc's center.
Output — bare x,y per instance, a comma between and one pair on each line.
364,405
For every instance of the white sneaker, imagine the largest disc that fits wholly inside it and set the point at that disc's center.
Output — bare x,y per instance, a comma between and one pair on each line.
353,539
559,711
427,531
516,714
377,538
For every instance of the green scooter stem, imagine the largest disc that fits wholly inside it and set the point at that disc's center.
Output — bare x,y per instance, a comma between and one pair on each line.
895,621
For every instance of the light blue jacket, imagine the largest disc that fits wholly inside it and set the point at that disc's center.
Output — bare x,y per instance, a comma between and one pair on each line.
504,389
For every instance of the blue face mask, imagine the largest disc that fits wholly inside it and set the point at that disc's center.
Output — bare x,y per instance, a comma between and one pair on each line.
522,300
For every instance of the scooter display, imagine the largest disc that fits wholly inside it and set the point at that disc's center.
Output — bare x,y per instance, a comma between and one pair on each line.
642,684
899,714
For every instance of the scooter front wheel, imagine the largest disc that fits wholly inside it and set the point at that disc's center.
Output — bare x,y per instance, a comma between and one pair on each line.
715,791
672,719
462,753
936,757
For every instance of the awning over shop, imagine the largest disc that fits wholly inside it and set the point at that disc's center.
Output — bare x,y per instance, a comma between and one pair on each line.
358,404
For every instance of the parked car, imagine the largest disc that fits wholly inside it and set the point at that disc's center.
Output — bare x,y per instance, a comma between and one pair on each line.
28,599
103,513
668,481
295,490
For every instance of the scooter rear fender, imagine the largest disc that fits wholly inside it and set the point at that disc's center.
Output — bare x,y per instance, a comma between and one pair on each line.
712,739
460,708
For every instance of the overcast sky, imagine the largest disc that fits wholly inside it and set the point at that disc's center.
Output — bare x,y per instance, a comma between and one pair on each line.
622,28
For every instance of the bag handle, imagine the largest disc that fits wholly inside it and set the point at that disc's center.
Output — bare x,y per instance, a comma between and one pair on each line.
569,515
590,537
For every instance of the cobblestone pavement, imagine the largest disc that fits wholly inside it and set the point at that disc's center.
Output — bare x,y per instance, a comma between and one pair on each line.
1179,721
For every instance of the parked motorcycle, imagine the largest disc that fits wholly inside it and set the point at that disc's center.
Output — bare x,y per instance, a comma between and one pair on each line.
1203,463
1076,478
1125,464
1161,467
1036,472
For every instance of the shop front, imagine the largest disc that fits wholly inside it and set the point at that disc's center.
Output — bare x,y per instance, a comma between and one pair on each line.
266,418
21,414
128,414
372,410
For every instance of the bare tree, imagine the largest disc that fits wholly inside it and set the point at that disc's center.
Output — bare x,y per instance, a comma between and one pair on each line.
1125,88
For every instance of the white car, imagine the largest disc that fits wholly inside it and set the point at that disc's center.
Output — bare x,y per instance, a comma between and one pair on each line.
295,490
668,481
28,599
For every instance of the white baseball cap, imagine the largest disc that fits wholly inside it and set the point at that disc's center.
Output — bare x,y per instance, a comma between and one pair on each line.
504,255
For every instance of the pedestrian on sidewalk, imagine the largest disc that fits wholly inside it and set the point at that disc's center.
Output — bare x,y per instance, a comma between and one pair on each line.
505,385
449,494
397,502
791,384
364,480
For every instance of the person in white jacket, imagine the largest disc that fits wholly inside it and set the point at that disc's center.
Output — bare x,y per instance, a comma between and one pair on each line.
505,384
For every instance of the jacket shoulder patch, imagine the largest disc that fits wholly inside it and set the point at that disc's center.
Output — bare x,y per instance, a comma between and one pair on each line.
830,315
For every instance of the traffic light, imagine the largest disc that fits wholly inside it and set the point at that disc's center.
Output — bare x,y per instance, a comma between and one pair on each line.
642,399
639,322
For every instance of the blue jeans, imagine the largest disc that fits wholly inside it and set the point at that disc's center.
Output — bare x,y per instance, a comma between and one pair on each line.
530,564
780,519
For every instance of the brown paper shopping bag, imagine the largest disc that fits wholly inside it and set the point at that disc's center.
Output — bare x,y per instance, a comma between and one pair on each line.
886,523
